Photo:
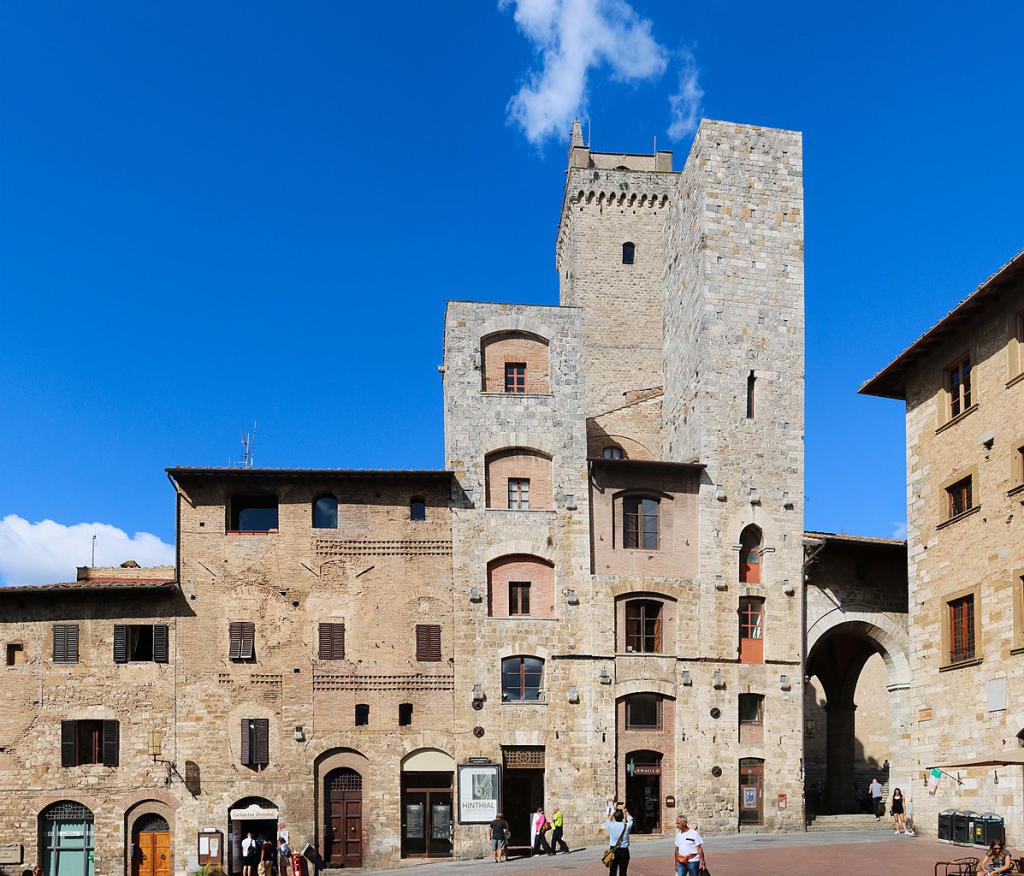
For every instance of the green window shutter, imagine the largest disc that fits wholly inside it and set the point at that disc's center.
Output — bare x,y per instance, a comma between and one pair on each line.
120,643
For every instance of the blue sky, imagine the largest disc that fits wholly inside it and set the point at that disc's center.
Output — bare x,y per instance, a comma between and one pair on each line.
212,214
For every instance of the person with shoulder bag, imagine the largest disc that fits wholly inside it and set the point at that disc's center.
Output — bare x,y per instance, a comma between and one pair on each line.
616,859
689,850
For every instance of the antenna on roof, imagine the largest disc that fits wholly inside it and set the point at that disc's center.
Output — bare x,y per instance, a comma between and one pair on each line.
94,549
249,447
655,142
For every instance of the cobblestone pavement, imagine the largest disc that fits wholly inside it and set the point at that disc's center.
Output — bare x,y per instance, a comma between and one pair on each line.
868,853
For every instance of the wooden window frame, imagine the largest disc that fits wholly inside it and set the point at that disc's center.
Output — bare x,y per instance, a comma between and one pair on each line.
428,643
65,643
636,627
242,641
752,653
946,642
962,645
124,646
331,640
946,496
659,723
515,378
634,522
105,739
518,494
521,673
519,598
961,401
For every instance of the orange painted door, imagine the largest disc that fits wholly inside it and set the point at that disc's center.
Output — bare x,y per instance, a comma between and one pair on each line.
153,857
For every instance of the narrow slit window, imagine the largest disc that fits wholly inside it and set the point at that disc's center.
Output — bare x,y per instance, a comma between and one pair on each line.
751,385
628,253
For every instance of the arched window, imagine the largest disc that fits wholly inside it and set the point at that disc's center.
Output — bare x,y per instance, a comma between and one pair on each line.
522,679
612,451
644,626
515,362
519,585
750,555
417,508
628,253
640,522
518,479
325,513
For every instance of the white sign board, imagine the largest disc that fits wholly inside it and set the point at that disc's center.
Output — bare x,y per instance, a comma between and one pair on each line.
479,793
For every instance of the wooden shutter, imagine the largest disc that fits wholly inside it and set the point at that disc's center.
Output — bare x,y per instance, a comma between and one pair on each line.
246,752
657,629
160,650
71,634
111,743
120,643
332,641
248,645
60,643
234,640
262,754
68,743
428,642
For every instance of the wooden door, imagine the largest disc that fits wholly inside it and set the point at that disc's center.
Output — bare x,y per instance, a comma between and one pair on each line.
345,818
153,855
751,791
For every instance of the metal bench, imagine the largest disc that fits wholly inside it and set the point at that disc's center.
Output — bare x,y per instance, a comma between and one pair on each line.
959,867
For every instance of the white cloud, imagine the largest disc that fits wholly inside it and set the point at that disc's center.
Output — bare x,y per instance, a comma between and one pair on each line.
46,552
685,103
899,530
573,36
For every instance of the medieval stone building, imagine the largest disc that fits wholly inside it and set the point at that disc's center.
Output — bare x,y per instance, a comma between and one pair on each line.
601,593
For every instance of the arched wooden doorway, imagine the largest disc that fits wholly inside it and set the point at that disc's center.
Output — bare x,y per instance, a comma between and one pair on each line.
643,790
343,818
151,838
66,839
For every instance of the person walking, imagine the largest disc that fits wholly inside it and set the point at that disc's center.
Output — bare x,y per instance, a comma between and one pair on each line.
558,823
689,850
899,816
284,856
618,827
875,790
499,837
248,854
540,826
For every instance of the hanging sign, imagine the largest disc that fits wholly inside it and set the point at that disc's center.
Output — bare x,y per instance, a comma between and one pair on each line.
479,792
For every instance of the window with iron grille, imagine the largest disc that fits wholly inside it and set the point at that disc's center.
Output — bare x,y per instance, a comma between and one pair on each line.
515,377
643,626
519,494
89,742
521,679
961,629
640,522
959,498
428,643
518,597
255,742
958,386
242,641
331,641
65,643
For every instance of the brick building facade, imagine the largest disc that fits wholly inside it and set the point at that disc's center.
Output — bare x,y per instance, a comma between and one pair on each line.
600,594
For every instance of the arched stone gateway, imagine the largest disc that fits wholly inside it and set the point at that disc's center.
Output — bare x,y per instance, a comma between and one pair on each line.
857,670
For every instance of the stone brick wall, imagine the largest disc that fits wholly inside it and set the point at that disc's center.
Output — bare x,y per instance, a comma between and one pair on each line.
540,576
519,463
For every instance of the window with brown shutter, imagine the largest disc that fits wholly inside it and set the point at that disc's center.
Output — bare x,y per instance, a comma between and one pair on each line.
255,743
90,742
959,498
961,629
65,643
331,641
428,643
241,640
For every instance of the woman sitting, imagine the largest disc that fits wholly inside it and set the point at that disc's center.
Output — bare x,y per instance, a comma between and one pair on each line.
996,860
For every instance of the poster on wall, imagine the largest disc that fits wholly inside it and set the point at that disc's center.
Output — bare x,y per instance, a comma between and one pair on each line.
749,797
479,792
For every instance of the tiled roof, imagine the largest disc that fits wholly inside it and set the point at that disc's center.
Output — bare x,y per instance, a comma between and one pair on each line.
234,471
93,584
890,382
858,539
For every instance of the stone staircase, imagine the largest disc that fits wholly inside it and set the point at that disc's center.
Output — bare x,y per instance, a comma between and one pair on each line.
856,821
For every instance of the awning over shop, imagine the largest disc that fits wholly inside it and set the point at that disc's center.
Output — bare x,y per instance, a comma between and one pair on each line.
1009,757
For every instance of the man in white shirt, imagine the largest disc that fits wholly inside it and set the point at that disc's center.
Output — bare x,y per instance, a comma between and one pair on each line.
248,854
689,851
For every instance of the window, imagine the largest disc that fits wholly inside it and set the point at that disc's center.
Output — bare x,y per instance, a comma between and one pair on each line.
519,494
961,629
417,509
515,377
518,597
959,498
241,641
643,712
958,385
86,742
362,714
15,653
325,513
140,643
254,513
65,643
750,555
1018,465
1019,344
751,714
628,253
751,382
640,522
331,640
255,742
612,451
643,626
428,643
521,679
404,714
751,630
